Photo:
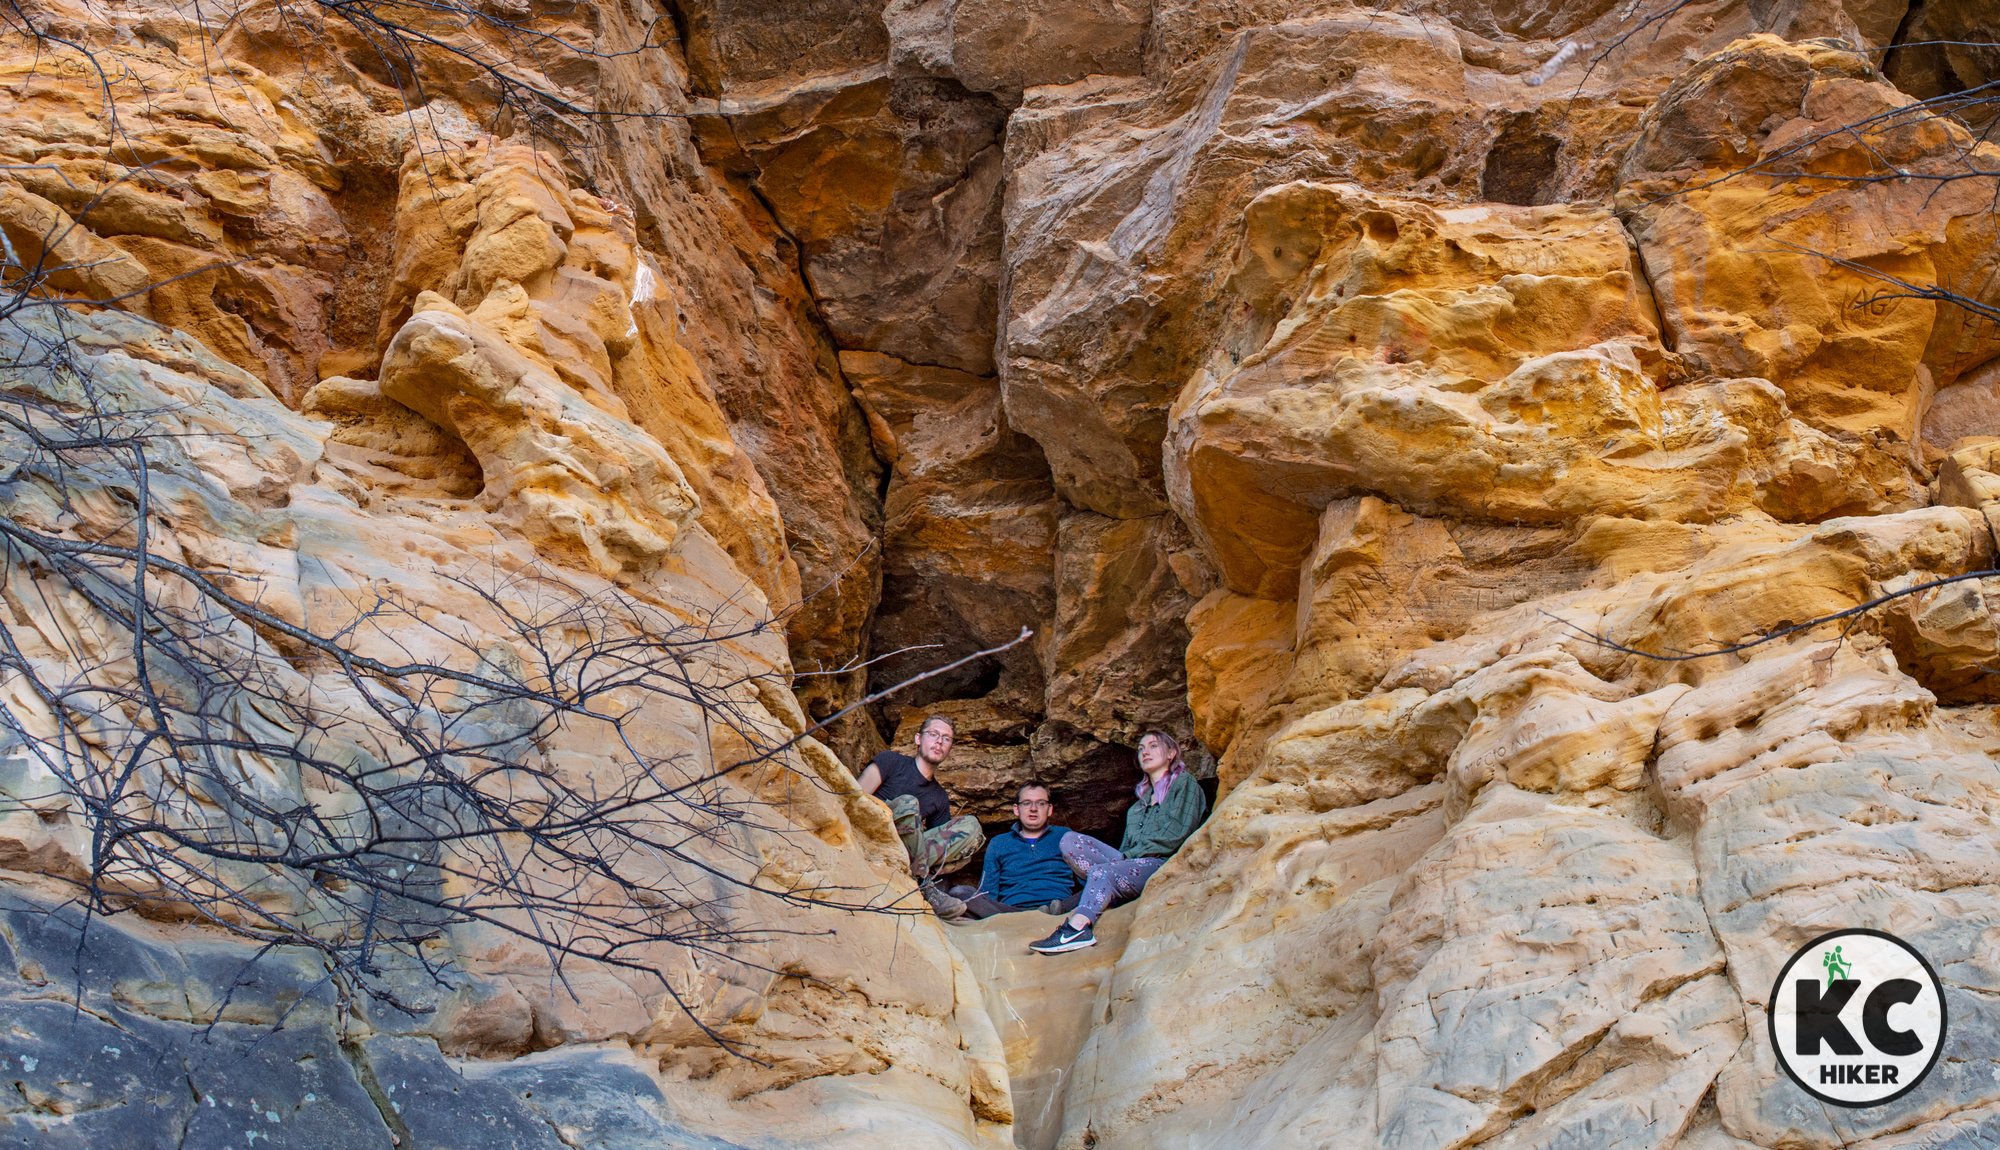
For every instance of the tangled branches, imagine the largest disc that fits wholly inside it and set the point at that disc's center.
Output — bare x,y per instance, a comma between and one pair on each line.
211,713
374,774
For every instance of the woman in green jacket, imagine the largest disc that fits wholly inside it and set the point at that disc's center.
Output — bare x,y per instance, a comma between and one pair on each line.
1168,806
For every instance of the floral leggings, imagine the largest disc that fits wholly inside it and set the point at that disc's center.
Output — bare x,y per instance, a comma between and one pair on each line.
1106,874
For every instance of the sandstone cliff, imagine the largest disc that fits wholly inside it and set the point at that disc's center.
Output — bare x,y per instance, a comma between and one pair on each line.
422,397
1371,392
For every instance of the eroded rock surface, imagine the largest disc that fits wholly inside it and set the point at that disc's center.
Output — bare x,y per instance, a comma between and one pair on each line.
473,391
1367,391
1518,883
417,573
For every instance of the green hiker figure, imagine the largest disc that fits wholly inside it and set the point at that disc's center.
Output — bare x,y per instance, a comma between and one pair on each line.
1836,968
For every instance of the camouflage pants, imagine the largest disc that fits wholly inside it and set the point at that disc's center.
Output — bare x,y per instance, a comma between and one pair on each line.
941,849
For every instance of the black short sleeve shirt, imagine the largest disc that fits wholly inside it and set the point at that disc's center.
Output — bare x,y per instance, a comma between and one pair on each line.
900,776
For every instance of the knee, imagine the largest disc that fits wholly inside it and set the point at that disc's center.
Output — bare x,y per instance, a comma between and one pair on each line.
1081,859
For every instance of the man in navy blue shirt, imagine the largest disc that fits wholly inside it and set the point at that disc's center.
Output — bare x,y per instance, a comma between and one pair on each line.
1024,868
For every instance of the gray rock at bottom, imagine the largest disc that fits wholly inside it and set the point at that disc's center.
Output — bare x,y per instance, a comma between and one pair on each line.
597,1101
143,1064
91,1080
577,1099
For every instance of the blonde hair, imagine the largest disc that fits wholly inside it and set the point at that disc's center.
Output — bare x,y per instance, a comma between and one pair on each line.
1174,769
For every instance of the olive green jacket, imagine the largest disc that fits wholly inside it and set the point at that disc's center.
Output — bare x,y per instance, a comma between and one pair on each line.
1157,830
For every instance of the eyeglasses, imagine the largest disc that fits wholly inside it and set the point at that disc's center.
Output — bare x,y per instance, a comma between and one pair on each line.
1035,803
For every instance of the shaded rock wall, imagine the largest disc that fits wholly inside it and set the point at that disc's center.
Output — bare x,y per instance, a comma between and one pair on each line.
875,136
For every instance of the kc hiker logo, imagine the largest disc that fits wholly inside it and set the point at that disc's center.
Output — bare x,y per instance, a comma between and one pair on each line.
1857,1017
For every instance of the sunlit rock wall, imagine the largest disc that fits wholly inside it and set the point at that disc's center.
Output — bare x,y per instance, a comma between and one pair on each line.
1471,390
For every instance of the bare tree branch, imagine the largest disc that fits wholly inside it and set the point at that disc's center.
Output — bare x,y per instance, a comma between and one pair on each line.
1771,636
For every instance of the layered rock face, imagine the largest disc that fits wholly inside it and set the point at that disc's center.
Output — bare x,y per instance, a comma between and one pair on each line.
334,528
426,398
1387,397
1465,442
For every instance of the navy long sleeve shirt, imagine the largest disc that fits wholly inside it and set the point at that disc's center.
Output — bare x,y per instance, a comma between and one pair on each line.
1027,872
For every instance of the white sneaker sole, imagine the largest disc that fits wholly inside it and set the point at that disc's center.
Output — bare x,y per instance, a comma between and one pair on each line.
1064,948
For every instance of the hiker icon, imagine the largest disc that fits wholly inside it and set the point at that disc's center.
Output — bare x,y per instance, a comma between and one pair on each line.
1836,967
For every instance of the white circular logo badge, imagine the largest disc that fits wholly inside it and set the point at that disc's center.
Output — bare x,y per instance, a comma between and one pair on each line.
1857,1017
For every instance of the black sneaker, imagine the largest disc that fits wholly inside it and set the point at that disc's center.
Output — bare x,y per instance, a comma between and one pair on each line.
1065,938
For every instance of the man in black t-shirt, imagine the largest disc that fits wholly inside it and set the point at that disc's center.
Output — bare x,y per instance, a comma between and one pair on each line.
938,843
